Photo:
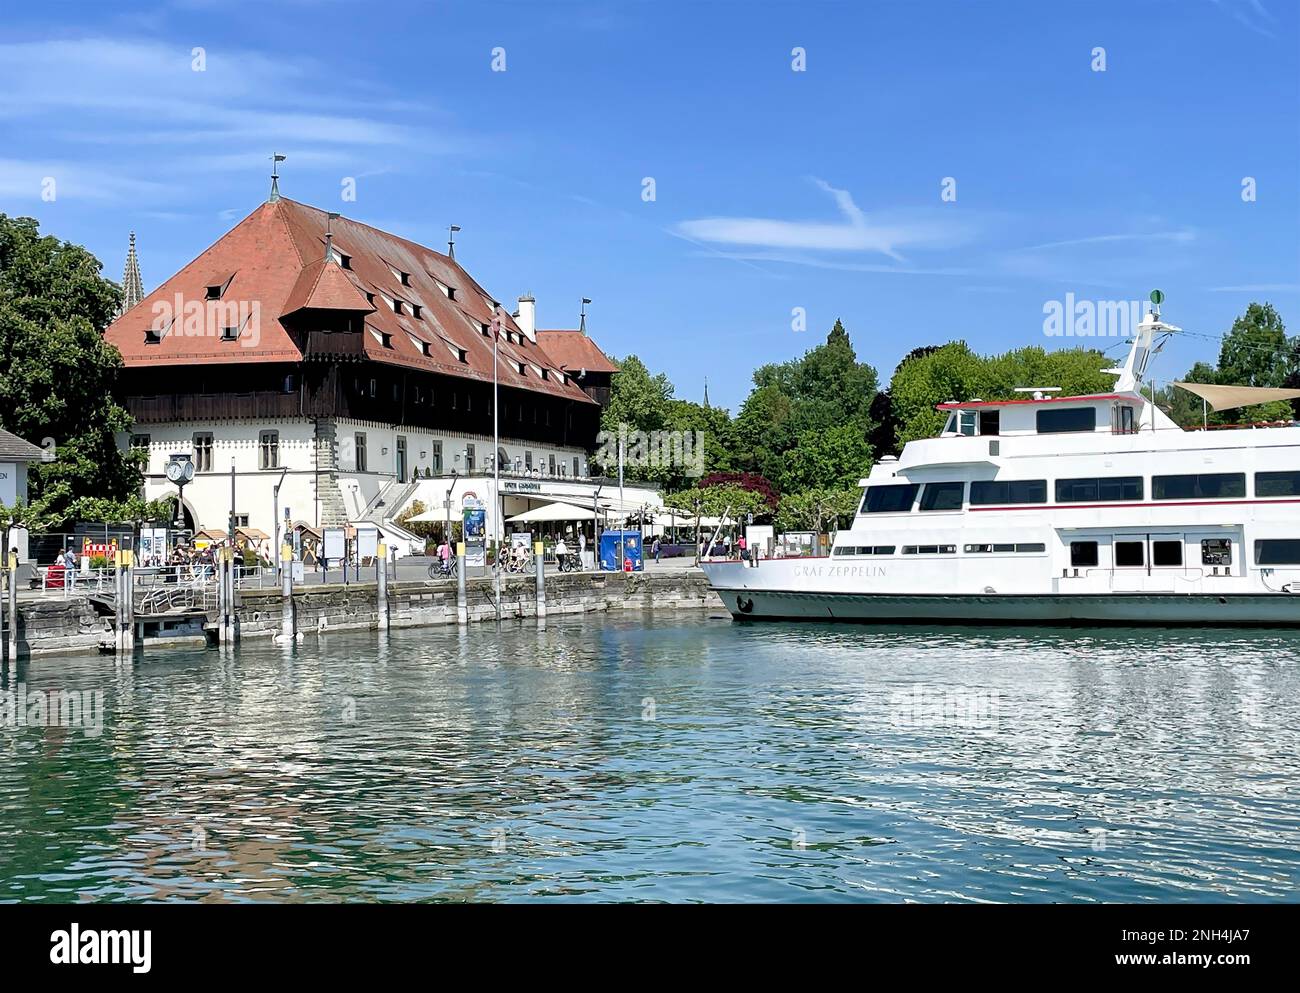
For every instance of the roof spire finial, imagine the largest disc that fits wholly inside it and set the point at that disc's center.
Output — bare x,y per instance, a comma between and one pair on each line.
132,285
330,218
451,240
582,317
276,159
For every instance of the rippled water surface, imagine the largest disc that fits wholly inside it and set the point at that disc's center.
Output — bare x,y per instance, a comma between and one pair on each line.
668,758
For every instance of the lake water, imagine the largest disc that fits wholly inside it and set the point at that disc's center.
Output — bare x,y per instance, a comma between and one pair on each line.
672,757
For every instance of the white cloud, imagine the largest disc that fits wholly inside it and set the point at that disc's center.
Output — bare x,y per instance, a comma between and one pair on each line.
855,233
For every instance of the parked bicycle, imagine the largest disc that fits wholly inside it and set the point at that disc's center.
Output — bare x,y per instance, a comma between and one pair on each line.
440,569
570,563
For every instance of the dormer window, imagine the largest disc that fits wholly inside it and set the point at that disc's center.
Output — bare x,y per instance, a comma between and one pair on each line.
154,335
229,333
416,311
342,259
214,292
399,306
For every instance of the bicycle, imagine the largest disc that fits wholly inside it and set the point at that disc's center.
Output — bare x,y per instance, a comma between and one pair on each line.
570,563
440,570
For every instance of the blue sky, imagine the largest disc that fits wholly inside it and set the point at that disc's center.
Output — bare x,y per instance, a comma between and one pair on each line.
774,189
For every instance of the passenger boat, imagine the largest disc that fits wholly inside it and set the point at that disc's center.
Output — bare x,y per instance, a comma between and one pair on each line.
1050,509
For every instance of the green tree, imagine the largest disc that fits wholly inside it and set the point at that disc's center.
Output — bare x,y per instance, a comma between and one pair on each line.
58,377
954,372
817,509
797,405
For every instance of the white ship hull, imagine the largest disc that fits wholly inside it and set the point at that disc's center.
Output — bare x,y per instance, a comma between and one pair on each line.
1126,609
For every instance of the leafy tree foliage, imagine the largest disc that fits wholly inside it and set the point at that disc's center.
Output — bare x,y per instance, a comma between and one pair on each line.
58,377
818,509
954,372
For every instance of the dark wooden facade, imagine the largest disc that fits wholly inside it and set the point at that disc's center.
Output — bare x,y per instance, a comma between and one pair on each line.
361,389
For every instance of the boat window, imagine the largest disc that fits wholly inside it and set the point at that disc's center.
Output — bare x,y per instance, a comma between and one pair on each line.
1130,553
929,549
967,421
893,499
1063,420
951,426
1009,491
1083,554
1104,490
1199,486
1166,553
1277,551
1126,423
990,422
1216,551
864,550
1277,484
1023,546
943,496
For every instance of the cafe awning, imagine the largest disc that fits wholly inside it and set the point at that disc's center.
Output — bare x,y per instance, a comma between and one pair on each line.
556,511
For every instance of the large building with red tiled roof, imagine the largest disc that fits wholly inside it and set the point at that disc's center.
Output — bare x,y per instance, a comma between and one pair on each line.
355,364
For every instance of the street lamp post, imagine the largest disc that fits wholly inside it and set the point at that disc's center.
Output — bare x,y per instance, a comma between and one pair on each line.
496,462
275,520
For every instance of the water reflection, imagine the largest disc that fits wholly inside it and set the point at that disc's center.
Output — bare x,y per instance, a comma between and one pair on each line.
676,758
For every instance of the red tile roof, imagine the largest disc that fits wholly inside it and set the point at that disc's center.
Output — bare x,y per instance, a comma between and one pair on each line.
573,350
274,258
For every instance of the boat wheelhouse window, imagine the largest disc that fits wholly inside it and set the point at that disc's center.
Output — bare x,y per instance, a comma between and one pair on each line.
1277,484
1199,486
1083,554
1127,425
1129,554
1277,551
893,499
1216,551
1166,553
943,496
1105,490
967,422
990,421
929,549
1008,491
1063,420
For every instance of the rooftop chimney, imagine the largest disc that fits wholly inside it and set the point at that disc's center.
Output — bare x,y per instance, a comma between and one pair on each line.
528,316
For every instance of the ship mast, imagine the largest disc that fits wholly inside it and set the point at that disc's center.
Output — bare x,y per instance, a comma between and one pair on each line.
1132,373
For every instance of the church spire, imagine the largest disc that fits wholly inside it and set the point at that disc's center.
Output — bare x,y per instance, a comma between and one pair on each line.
132,285
706,391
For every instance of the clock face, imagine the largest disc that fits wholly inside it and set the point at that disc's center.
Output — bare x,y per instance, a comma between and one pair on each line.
174,471
187,469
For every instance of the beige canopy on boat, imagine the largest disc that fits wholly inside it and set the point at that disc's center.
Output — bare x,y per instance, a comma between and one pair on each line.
1228,397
